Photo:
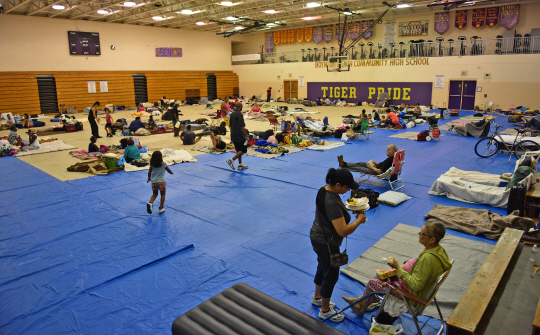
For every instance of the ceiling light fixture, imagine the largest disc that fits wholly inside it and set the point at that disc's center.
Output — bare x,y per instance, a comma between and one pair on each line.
347,12
403,5
312,4
238,28
271,24
270,11
311,18
200,23
103,11
130,4
226,3
187,11
232,18
58,7
158,18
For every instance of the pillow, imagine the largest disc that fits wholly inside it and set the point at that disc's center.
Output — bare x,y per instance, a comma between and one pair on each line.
393,198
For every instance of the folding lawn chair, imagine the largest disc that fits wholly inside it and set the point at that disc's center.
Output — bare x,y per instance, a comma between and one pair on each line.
216,120
273,121
395,169
408,297
363,132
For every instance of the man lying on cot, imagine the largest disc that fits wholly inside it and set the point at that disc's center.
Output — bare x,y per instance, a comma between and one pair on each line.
371,167
417,275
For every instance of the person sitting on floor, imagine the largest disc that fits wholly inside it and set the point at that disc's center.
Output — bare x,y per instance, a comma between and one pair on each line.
255,109
132,151
27,121
417,110
9,121
371,167
151,124
188,136
391,119
32,143
13,137
217,142
370,120
327,102
93,147
61,126
417,275
318,101
136,124
141,107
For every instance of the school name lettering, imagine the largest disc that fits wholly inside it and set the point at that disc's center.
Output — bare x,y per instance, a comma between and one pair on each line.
377,62
394,93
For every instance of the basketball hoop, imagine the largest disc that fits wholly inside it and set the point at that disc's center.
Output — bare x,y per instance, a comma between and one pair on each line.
338,64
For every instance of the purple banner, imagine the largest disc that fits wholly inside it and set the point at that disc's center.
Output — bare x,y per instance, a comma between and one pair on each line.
492,16
509,16
398,93
365,26
269,42
461,19
168,52
354,30
328,33
478,17
442,22
317,34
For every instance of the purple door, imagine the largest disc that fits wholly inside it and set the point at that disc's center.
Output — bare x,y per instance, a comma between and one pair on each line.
454,100
469,92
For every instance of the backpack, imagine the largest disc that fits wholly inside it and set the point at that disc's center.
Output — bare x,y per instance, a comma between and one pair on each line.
373,196
263,135
422,136
79,126
339,132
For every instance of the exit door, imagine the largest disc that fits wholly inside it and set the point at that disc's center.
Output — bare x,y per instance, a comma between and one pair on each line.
290,89
462,94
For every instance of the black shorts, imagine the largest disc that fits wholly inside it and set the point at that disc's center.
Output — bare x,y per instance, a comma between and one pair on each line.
221,145
239,146
108,125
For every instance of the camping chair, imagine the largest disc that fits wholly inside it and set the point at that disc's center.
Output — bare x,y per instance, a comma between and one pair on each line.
273,121
216,120
395,169
363,132
415,313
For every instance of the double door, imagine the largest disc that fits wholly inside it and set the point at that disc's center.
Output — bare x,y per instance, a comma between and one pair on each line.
462,94
290,89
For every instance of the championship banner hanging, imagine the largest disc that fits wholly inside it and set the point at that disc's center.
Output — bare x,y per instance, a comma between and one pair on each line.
290,34
354,30
276,37
317,34
308,34
339,32
461,19
269,43
478,17
300,35
509,16
442,22
365,26
328,34
283,37
492,16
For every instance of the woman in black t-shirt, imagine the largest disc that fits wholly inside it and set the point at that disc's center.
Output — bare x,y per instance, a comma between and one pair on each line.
331,225
92,118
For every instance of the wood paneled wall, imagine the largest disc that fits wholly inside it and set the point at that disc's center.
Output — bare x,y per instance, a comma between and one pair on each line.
19,90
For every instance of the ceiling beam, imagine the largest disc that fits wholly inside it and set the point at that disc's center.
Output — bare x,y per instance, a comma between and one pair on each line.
166,7
112,4
73,7
128,9
22,3
45,7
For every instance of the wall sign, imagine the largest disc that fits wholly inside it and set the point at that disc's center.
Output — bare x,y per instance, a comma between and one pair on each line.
168,52
439,81
378,62
390,32
103,86
409,93
91,86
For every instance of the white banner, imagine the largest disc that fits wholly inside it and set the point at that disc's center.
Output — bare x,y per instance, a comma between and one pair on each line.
439,81
239,58
104,87
390,31
91,87
301,81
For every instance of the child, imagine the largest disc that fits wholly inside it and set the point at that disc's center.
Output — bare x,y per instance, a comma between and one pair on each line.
93,147
218,143
156,174
108,125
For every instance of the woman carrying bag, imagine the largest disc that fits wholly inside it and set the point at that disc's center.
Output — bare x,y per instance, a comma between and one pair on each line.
331,225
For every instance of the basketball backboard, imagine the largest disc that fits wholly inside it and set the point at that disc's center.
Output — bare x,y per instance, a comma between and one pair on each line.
338,64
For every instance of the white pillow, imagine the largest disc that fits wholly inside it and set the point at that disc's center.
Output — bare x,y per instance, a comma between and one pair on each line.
393,198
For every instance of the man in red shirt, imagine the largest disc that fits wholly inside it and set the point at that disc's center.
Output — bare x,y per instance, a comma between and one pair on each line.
268,94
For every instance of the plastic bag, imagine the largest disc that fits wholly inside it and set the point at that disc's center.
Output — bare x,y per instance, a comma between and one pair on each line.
121,161
380,329
143,150
344,137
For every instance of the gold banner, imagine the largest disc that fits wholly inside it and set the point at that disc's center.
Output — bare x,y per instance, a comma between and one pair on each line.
283,36
276,37
300,35
290,34
308,34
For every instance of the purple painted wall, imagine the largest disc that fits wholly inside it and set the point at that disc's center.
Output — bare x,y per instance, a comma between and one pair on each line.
408,93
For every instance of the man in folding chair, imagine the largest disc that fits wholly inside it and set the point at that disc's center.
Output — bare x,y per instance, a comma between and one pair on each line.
416,276
371,167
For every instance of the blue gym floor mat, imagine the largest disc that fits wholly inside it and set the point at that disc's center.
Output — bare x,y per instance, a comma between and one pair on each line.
83,256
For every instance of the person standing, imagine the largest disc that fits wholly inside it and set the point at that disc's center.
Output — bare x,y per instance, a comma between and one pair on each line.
225,107
92,118
108,124
175,114
268,94
239,136
331,225
156,174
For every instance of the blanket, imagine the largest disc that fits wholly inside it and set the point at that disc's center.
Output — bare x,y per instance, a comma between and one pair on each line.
478,221
47,147
410,135
170,157
326,146
209,149
96,167
402,243
473,186
292,150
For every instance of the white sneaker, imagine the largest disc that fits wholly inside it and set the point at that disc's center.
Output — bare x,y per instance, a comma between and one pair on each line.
231,163
162,210
149,208
335,318
242,167
318,302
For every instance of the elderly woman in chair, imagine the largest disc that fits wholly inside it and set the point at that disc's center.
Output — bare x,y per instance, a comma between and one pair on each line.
416,276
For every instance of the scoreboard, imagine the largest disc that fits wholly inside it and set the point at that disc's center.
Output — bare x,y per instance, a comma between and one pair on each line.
83,43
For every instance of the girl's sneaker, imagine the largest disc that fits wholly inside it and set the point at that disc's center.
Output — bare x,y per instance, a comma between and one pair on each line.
162,210
242,167
335,318
149,208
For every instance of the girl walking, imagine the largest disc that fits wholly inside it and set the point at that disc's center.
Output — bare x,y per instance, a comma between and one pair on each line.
156,174
108,124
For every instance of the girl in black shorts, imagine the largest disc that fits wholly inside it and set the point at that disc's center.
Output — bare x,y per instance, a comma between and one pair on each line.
108,125
217,142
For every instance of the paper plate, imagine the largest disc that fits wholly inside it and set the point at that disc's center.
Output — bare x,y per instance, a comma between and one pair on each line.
357,208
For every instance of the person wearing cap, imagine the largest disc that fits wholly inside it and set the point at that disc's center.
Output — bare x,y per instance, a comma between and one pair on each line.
371,167
32,143
92,118
332,223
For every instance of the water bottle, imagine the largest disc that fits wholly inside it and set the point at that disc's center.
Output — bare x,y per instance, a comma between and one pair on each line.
533,253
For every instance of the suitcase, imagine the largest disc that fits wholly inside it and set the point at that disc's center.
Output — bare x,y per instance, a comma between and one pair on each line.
71,128
516,199
454,113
